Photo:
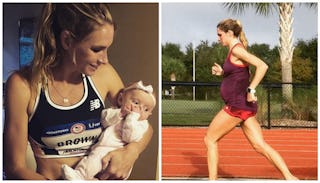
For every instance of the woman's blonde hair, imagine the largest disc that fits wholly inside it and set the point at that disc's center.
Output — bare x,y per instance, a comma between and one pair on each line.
79,19
236,27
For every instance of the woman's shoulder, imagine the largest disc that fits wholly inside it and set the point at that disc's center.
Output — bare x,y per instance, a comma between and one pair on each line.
239,51
17,90
238,47
17,79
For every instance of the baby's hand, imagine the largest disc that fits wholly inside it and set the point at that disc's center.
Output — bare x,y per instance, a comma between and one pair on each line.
124,112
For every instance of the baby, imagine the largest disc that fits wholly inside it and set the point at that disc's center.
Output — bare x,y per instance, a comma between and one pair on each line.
121,126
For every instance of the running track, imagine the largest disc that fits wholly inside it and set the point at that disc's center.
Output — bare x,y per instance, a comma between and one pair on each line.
184,154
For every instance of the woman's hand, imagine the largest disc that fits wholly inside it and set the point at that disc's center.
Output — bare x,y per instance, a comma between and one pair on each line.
251,97
118,164
216,70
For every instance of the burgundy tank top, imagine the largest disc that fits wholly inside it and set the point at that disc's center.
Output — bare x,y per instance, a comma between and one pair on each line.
235,83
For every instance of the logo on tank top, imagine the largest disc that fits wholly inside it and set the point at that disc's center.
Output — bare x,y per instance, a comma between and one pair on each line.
94,104
78,128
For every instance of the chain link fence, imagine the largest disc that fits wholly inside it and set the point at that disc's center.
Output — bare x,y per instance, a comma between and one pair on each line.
196,103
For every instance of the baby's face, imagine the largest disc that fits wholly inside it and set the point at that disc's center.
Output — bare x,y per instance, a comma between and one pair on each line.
138,101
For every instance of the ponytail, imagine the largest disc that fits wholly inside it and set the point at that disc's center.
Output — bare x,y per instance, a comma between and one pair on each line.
242,36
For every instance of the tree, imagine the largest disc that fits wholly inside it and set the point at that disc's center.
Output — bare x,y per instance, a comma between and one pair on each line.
172,50
203,65
262,51
219,53
308,50
170,66
268,56
188,62
286,36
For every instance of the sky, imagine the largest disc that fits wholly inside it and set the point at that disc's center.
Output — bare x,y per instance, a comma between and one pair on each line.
184,23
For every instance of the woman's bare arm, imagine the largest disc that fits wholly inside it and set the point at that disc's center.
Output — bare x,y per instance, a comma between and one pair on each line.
261,67
16,130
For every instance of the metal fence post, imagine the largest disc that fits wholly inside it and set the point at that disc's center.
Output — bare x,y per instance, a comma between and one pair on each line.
269,104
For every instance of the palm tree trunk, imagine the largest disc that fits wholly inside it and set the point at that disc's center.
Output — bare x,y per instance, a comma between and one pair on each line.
286,47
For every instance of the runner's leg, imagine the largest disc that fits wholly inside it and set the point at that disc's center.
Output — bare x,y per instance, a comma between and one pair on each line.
253,132
221,124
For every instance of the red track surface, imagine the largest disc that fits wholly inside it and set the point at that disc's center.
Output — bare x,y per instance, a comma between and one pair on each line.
184,153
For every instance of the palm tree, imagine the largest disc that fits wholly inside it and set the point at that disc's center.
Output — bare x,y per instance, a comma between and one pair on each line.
286,35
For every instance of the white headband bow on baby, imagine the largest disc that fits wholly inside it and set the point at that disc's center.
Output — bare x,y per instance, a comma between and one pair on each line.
139,85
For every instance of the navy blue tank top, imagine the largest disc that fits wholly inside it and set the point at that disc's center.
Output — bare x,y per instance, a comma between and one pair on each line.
58,131
234,85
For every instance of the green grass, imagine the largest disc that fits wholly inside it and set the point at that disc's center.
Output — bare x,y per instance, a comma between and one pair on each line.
200,112
188,113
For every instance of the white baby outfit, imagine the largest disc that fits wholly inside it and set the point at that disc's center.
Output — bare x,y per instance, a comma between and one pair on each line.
118,132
